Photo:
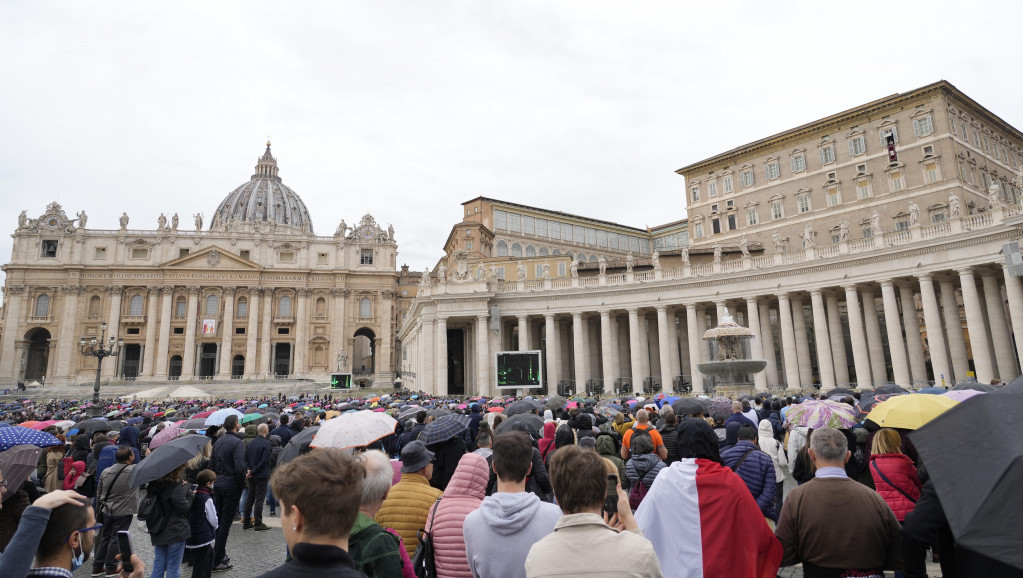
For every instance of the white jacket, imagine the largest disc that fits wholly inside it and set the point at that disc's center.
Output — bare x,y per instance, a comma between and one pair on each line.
772,447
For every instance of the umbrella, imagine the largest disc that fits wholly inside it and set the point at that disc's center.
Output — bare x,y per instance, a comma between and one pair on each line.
609,410
272,415
41,425
251,417
868,402
838,393
688,406
890,388
974,385
252,409
204,414
166,458
444,428
663,400
353,430
933,390
438,412
555,402
64,424
495,409
527,422
822,413
293,448
521,406
17,436
910,411
962,395
973,454
195,424
407,412
168,433
17,464
218,417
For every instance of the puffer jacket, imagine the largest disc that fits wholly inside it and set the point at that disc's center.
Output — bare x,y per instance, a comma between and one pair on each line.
757,470
669,434
464,494
406,508
645,465
900,470
70,477
606,449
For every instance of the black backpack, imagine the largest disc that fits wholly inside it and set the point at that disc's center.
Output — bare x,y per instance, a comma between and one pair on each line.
151,512
636,433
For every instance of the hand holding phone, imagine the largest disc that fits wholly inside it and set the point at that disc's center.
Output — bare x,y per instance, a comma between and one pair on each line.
124,544
611,497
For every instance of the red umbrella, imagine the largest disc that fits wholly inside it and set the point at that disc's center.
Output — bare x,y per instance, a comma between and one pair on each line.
206,413
496,409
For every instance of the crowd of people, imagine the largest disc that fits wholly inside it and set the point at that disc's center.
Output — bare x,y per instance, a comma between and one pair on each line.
624,487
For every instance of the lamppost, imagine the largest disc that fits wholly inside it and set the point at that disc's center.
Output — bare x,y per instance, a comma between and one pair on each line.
95,348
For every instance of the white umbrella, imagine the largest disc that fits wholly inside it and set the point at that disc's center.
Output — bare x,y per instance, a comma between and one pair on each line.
218,417
354,429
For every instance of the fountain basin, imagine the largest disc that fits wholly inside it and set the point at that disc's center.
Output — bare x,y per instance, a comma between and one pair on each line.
736,367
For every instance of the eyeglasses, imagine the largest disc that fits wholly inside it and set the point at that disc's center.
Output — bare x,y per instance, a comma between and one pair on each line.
90,528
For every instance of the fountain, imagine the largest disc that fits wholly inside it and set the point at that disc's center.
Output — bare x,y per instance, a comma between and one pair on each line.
731,371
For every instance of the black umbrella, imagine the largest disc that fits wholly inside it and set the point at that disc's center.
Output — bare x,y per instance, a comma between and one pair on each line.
688,406
438,412
199,423
294,447
444,428
974,455
519,407
974,385
890,388
166,458
527,422
555,402
868,402
410,411
91,426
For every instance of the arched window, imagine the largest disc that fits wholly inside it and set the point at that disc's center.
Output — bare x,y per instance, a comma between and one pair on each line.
516,250
570,255
211,305
42,306
321,307
502,249
135,306
284,307
243,307
530,251
94,306
582,257
544,251
594,259
365,308
179,307
556,252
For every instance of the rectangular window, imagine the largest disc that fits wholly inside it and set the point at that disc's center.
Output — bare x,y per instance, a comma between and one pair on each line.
244,254
591,236
803,202
751,217
514,222
966,135
140,253
561,270
180,308
670,242
541,227
101,253
728,184
321,258
712,189
772,171
243,308
635,245
798,163
928,150
732,225
578,234
468,245
366,257
893,131
659,244
863,190
500,273
931,172
612,240
500,219
923,126
868,232
698,230
602,238
683,239
746,178
566,232
182,253
901,225
538,271
857,146
715,226
938,217
896,181
976,139
286,257
555,230
777,210
528,225
696,194
283,330
834,197
239,331
179,330
827,155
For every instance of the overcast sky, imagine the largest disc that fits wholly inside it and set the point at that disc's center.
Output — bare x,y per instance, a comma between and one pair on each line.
406,109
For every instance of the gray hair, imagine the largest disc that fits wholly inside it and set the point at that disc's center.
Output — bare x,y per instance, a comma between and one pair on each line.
262,429
665,410
379,475
829,444
642,416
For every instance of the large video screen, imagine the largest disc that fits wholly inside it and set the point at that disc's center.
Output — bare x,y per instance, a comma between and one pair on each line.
519,369
340,381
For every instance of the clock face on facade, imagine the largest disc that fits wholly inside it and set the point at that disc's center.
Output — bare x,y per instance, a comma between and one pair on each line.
367,232
52,223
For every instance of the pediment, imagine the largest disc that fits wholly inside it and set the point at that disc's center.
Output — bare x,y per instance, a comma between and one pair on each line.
212,258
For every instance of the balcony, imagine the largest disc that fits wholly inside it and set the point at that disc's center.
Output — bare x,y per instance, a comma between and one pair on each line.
133,320
284,320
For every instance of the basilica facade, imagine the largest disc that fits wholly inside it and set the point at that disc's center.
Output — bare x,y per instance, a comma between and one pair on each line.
255,295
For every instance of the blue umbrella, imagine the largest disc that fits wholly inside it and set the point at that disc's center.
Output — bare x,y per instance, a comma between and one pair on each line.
18,436
933,390
444,428
218,417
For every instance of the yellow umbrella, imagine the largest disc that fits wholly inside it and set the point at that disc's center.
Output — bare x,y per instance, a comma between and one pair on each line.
332,414
910,411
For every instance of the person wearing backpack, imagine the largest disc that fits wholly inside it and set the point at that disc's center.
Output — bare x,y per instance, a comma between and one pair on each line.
643,423
117,503
642,468
167,522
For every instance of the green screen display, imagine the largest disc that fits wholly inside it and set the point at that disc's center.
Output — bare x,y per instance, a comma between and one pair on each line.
340,381
519,369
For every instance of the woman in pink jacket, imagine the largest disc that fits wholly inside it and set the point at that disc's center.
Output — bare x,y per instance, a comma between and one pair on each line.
464,493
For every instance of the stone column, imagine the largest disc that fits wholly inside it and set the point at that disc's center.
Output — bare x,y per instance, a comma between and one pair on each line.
673,347
523,333
635,350
914,343
385,358
302,334
837,336
67,341
337,325
1004,357
872,328
979,343
822,341
607,346
893,326
149,355
954,332
425,375
188,359
114,327
266,330
767,338
483,360
756,344
577,352
861,357
227,335
440,359
693,331
163,354
788,341
802,342
8,357
1014,296
252,331
935,333
664,347
553,354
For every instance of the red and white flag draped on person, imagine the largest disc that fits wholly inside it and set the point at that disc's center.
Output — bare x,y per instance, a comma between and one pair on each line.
703,522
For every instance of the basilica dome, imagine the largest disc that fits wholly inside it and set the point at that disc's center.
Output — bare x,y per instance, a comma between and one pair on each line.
263,200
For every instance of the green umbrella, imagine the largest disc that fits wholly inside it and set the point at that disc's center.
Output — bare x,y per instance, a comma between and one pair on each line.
251,417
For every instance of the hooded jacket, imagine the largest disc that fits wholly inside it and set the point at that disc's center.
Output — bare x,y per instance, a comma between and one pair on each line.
406,508
606,449
129,438
546,443
250,434
464,494
645,467
374,550
81,450
770,446
508,523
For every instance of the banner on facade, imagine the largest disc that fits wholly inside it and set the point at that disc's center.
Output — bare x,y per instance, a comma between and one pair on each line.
209,327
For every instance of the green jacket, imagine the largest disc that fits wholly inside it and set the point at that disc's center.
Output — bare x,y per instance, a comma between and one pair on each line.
373,549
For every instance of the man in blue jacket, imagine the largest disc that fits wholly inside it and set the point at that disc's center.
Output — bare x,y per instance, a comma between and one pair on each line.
257,463
283,431
755,468
228,462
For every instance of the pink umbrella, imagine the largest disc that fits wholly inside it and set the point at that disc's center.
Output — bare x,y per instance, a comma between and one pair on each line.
496,409
168,433
962,394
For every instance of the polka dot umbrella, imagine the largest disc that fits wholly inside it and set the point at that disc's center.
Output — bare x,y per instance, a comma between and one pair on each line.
17,436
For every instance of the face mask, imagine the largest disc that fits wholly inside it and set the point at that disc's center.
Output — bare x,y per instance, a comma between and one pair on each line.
77,559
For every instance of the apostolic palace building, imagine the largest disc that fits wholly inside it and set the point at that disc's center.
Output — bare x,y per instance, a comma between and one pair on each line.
877,245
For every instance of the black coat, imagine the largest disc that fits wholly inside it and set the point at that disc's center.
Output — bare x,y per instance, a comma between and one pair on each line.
175,501
447,455
228,461
316,560
257,457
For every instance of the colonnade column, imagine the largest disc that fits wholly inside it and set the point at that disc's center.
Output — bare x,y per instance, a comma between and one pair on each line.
606,349
227,334
8,368
837,335
302,333
693,331
975,325
935,333
251,332
1004,358
69,323
767,338
820,334
114,326
893,326
664,347
861,359
266,331
673,347
337,322
756,344
188,359
578,355
635,354
483,353
424,374
788,342
440,358
954,332
1014,295
553,355
914,343
163,353
872,330
802,342
152,308
523,333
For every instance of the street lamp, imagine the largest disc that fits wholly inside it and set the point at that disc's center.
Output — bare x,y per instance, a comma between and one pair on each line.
96,348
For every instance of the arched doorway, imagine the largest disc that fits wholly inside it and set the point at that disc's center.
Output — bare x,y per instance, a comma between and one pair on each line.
238,367
174,370
364,352
38,354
